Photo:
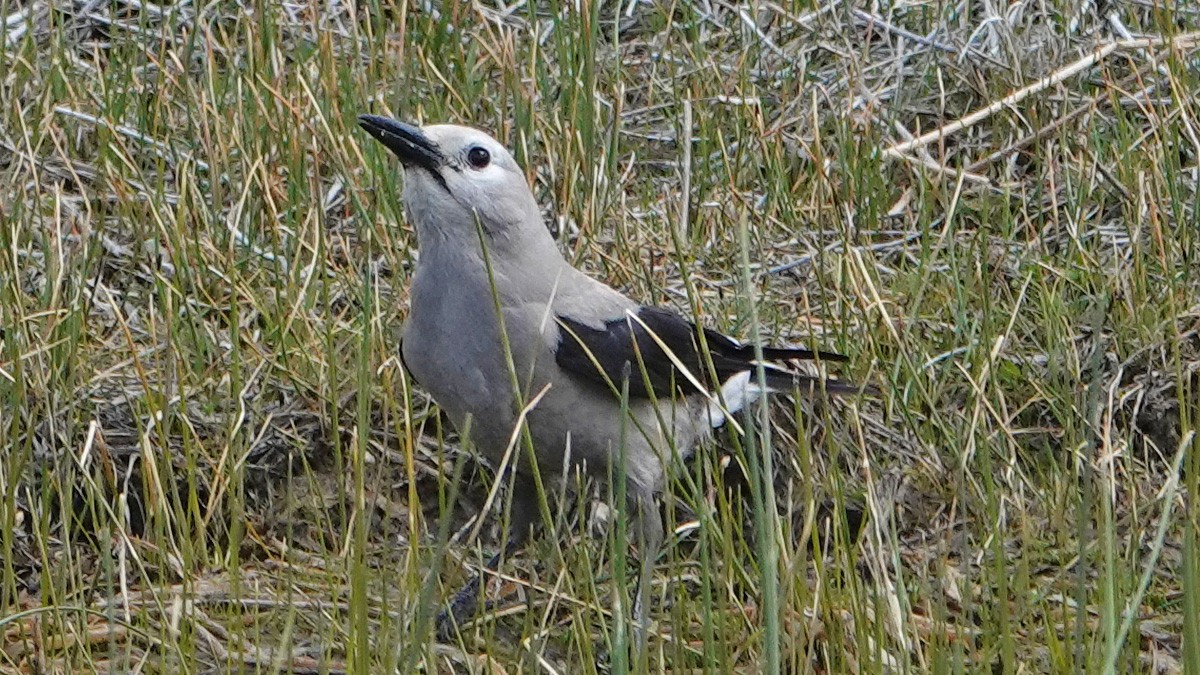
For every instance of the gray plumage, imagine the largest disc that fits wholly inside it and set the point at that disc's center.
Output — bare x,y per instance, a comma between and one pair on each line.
571,339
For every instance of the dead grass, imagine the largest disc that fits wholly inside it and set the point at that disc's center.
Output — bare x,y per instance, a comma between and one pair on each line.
211,458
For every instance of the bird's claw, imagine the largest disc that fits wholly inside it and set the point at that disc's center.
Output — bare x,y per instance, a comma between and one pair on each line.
460,608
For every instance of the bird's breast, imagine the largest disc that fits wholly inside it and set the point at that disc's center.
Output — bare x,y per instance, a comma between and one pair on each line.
454,348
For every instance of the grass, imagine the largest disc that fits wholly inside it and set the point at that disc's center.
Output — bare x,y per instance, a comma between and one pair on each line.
212,461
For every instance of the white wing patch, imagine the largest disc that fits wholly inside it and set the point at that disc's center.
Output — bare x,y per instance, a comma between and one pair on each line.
736,392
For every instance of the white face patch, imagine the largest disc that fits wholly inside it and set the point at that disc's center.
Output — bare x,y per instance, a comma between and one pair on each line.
492,174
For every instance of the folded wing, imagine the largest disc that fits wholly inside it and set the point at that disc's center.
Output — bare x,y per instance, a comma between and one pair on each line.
662,355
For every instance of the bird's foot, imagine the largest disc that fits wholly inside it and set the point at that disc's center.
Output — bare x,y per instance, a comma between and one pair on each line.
462,606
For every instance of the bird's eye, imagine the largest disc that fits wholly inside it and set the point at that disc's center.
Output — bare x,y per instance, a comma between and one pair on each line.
478,157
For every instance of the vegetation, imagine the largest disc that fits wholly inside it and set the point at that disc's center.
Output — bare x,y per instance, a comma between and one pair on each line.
211,460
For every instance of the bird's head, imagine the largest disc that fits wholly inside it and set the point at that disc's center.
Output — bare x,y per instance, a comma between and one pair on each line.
457,177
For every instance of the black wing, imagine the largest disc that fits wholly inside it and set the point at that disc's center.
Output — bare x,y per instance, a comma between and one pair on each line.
632,344
403,363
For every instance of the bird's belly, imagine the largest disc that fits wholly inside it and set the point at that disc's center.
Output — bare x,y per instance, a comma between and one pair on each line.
583,427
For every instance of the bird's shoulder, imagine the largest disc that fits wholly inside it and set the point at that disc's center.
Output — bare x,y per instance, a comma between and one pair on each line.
588,301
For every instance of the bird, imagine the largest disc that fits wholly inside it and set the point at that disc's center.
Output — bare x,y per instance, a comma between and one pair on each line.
509,338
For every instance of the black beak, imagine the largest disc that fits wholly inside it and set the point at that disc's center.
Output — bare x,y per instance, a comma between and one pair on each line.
410,145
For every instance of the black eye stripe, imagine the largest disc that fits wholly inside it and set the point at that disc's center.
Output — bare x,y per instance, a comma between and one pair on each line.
478,157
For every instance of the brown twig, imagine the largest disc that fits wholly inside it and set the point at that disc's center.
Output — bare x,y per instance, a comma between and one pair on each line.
901,150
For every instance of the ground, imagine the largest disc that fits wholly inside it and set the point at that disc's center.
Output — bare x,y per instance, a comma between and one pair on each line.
212,460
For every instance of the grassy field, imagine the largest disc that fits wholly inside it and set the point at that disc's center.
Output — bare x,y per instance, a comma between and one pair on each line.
211,460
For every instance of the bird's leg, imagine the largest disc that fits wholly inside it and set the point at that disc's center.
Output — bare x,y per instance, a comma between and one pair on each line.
649,530
464,604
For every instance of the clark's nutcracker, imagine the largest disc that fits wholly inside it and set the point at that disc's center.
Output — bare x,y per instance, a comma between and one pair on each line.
502,326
